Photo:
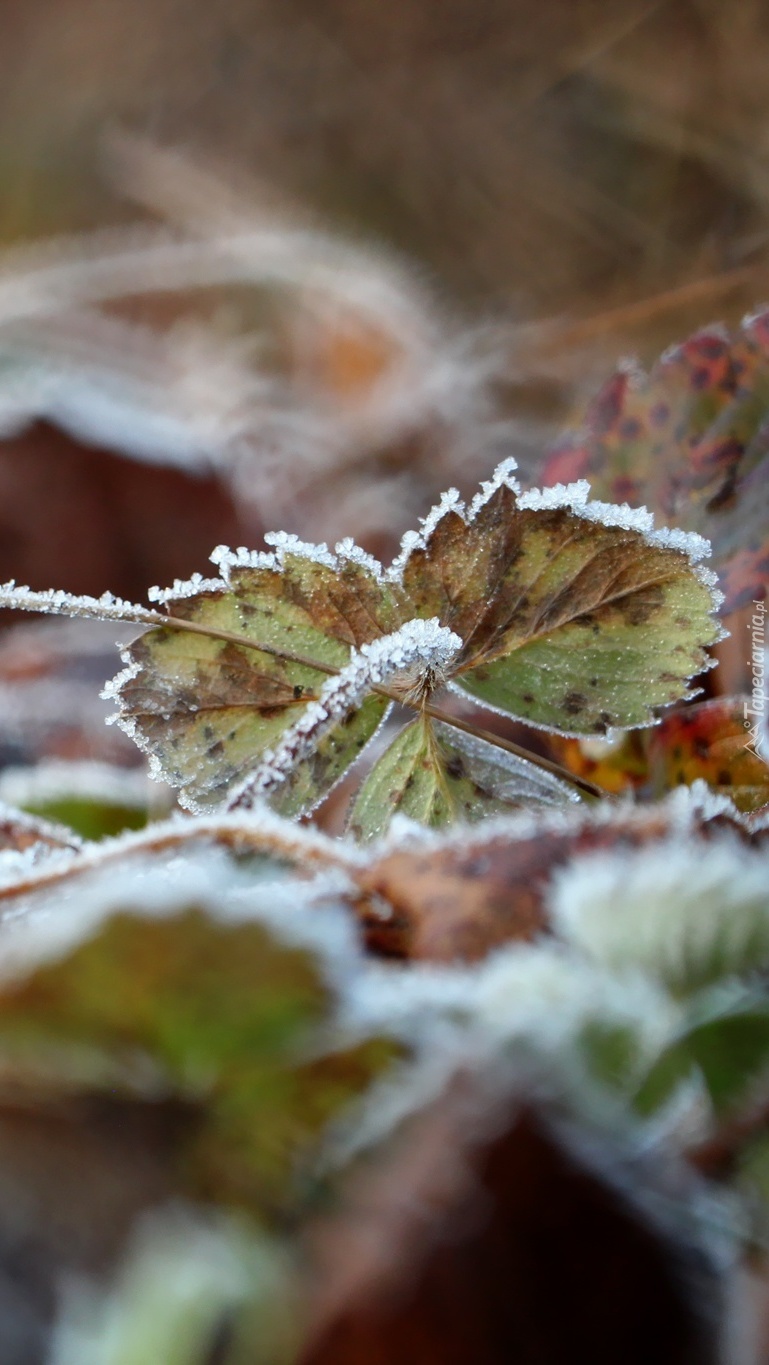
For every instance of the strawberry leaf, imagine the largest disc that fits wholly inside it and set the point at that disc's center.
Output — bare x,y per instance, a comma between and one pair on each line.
208,709
689,440
575,616
268,681
435,775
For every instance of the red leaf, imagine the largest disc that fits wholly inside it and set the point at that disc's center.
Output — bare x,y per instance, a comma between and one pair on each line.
690,440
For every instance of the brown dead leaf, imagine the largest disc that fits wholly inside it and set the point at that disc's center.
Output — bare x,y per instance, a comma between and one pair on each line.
458,901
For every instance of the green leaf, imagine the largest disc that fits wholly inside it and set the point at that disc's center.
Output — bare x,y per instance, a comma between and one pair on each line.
408,780
435,774
573,617
725,1042
208,709
227,1007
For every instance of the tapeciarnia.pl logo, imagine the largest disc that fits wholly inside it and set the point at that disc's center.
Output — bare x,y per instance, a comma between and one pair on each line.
754,710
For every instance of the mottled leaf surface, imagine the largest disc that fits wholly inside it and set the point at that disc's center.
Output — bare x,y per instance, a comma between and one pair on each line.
582,626
570,615
435,774
689,440
210,709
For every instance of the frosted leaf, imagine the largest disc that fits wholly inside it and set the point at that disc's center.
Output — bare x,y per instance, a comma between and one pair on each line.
315,752
435,774
684,912
444,909
210,706
576,616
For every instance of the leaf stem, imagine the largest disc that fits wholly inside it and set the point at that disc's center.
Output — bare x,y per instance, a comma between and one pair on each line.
145,616
468,727
510,747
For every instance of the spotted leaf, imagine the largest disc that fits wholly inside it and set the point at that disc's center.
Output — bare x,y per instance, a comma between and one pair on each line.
690,441
435,774
209,708
576,616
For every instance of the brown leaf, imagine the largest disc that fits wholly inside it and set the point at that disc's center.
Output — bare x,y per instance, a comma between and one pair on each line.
460,900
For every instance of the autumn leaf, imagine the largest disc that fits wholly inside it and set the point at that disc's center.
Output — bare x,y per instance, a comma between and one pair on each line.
439,898
209,708
440,909
689,440
435,774
710,740
616,763
574,616
267,682
193,994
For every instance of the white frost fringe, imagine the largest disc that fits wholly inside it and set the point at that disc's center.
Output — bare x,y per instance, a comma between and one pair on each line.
419,642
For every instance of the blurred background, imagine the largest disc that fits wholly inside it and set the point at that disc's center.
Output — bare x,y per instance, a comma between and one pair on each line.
504,197
562,158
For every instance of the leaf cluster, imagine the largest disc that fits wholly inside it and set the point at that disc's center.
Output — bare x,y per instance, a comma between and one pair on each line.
275,1046
268,682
